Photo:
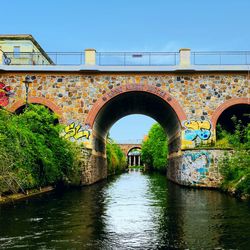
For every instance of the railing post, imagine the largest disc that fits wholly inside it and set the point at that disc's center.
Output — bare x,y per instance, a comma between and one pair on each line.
1,57
185,57
90,57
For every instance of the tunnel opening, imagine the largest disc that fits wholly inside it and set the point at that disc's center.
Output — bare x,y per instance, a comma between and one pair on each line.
135,102
233,115
134,157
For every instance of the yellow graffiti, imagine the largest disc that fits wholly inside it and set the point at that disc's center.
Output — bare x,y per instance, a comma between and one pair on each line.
73,131
196,125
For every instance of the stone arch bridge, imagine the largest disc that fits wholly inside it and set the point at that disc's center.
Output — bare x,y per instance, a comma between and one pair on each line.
127,148
186,99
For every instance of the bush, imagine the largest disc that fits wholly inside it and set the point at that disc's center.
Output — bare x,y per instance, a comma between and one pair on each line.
115,158
32,151
235,168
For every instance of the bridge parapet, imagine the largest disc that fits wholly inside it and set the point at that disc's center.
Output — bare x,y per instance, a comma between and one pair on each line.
91,59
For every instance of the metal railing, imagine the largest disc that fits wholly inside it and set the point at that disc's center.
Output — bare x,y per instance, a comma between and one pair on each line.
49,58
220,58
128,58
131,141
137,58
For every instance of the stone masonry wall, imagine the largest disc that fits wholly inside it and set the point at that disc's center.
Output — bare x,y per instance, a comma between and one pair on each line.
73,95
197,167
199,94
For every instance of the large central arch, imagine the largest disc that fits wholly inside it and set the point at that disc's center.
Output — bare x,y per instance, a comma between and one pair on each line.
133,99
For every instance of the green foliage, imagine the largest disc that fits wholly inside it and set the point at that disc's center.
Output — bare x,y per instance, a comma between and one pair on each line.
115,158
155,149
31,151
240,138
235,167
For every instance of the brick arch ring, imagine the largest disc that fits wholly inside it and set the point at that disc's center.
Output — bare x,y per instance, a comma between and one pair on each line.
131,148
39,100
226,105
174,104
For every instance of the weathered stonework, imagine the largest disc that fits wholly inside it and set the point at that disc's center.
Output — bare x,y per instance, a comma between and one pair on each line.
196,98
197,167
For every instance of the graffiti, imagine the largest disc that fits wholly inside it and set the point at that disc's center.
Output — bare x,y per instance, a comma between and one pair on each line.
194,167
4,94
194,129
76,131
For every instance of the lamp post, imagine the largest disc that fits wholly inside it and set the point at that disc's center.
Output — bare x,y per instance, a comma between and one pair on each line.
7,60
28,80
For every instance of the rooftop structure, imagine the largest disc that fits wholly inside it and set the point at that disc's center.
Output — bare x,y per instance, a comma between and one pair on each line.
22,50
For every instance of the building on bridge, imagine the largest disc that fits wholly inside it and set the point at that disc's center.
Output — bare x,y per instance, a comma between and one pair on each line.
23,50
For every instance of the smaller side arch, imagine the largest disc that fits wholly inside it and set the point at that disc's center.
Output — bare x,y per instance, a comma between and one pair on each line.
39,100
224,106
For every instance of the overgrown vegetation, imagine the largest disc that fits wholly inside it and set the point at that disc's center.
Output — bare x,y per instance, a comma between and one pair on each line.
115,158
155,149
235,166
32,152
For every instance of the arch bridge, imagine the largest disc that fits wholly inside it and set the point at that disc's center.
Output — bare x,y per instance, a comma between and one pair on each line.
187,99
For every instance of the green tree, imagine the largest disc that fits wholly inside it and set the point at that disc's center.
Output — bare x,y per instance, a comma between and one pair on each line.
32,152
116,159
155,148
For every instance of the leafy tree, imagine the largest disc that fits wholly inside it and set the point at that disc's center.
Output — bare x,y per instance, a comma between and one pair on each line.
155,149
32,152
115,157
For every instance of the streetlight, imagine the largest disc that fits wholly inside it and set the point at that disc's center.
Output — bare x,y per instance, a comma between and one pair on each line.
7,60
28,80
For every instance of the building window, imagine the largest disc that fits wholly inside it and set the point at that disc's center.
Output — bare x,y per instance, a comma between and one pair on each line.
16,51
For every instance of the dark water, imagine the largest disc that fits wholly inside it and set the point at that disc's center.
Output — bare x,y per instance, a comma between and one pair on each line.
132,211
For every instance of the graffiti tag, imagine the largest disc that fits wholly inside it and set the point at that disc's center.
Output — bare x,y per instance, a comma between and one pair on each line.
195,167
4,94
76,131
194,129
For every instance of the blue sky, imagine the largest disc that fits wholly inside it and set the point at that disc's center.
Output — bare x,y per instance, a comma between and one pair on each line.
130,25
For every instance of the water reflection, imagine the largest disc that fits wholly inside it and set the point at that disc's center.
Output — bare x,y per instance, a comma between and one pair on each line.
132,211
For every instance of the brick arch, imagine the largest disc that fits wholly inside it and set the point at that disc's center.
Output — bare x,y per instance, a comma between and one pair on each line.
132,147
135,88
226,105
39,100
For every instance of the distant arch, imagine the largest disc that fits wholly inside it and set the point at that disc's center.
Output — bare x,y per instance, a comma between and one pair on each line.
131,148
227,104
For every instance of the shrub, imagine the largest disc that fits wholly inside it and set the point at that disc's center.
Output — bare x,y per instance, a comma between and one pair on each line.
38,155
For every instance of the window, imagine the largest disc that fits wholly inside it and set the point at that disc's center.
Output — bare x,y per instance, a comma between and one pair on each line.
16,51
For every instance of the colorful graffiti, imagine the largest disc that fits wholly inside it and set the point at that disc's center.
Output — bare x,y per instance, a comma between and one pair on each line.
197,129
194,167
76,132
4,94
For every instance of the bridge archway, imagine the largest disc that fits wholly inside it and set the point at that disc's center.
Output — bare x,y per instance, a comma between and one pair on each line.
234,102
134,156
136,99
132,148
42,101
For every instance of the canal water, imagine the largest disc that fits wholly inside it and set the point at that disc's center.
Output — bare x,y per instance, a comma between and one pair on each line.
131,211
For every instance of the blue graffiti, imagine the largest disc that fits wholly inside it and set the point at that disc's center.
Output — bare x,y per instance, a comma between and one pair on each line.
191,135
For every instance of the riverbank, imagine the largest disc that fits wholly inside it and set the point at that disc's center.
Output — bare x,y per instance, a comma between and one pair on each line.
21,196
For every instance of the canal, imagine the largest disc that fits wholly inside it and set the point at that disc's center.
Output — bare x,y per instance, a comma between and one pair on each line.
130,211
